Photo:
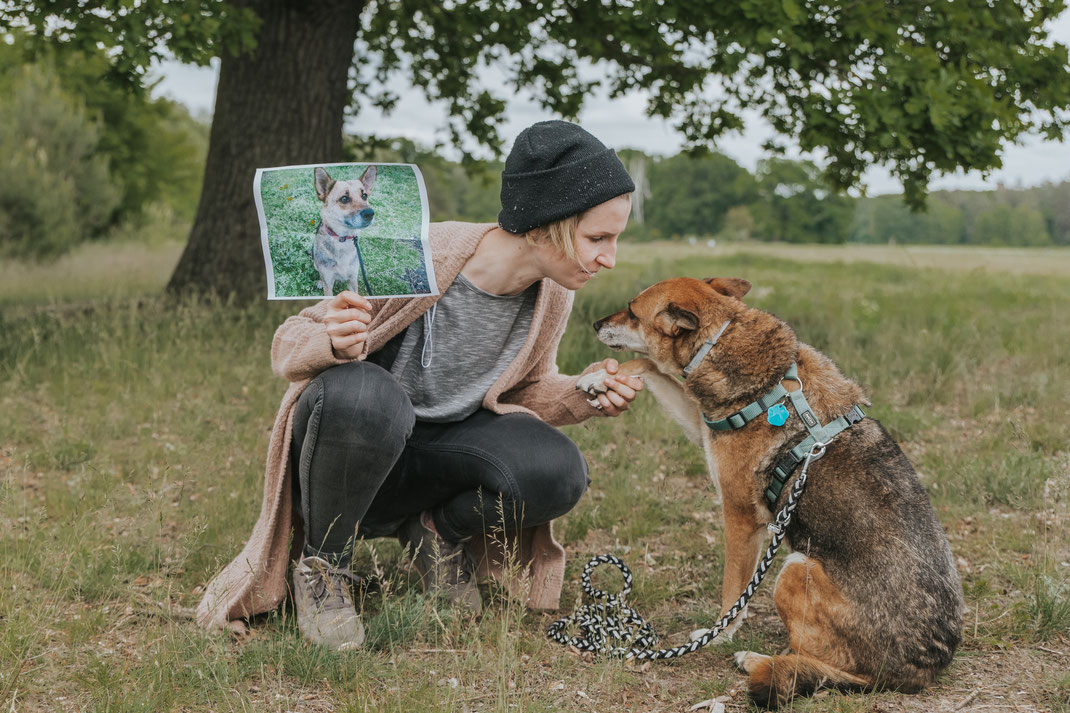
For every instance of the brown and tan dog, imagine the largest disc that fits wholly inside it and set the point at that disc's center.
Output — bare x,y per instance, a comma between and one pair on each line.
870,595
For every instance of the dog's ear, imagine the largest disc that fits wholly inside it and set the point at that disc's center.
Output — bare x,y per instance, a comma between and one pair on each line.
368,178
324,184
675,319
730,286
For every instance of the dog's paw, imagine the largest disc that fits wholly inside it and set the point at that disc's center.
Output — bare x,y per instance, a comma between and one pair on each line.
697,634
729,631
593,383
747,660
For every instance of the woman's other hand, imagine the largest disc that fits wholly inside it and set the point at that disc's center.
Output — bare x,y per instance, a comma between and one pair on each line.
621,391
348,315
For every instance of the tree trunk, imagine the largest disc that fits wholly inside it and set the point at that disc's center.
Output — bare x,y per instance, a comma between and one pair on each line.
281,104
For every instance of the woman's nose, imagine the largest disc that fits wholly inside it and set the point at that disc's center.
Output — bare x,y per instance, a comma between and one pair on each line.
608,258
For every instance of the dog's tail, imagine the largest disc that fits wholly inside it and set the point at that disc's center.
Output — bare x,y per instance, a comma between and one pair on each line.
775,680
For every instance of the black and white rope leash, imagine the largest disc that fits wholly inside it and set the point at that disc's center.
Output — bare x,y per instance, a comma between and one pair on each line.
611,620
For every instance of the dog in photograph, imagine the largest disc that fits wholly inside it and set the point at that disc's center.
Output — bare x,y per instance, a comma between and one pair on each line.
345,210
870,595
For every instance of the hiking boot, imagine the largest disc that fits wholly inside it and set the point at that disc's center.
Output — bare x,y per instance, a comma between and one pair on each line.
325,611
444,567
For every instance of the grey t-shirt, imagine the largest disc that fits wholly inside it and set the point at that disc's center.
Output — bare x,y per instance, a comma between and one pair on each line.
449,359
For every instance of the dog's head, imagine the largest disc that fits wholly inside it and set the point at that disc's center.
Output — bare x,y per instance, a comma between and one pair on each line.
662,317
670,321
345,203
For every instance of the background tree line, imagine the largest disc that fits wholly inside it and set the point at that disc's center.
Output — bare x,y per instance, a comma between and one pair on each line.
922,89
87,158
710,195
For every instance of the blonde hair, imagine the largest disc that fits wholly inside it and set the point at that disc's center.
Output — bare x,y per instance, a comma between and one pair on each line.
560,233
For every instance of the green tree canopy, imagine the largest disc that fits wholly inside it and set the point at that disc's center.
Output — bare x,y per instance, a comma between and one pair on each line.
691,194
798,206
155,149
55,188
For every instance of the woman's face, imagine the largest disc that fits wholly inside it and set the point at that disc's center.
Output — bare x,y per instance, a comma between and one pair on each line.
595,244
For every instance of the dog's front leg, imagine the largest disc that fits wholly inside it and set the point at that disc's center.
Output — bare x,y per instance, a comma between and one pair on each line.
742,542
677,403
327,283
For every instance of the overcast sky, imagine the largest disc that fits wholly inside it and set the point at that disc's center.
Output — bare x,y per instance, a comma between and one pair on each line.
622,123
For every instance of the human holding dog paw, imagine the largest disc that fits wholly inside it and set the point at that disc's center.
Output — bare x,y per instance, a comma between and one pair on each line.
439,427
347,319
620,390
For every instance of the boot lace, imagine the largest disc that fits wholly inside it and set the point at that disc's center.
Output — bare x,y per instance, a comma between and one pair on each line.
457,564
330,587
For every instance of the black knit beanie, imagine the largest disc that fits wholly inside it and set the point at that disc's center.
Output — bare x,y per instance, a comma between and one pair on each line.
557,169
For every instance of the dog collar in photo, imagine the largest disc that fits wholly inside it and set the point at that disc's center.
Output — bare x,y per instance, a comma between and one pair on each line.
341,238
705,349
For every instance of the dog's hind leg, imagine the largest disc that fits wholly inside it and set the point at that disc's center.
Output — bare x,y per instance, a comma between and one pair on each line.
816,615
775,680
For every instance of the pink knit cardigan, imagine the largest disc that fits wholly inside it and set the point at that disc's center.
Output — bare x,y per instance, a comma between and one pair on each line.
531,563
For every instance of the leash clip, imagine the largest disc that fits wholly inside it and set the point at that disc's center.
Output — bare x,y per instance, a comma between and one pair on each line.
784,516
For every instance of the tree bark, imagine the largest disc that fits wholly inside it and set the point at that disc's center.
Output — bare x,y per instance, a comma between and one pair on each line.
281,104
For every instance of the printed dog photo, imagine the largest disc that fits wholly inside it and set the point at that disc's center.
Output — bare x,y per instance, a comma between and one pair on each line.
332,227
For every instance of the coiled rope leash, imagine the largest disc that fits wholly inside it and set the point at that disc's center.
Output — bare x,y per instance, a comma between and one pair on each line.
612,620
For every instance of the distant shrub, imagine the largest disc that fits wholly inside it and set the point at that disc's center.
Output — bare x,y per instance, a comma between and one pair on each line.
55,189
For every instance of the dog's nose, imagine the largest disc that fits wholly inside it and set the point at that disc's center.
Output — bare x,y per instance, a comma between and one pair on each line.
367,214
598,324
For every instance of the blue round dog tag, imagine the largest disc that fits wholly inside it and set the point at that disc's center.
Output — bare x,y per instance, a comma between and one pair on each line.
777,414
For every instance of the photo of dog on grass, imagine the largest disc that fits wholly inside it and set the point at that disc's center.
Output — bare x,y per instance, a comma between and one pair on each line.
332,227
870,595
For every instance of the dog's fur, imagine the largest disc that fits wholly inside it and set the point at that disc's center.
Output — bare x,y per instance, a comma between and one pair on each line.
345,210
870,596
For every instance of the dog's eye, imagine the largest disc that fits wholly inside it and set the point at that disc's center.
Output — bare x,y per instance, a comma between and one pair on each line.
363,196
344,199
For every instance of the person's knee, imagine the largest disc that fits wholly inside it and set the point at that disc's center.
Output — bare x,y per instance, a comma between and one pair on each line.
574,480
554,479
363,398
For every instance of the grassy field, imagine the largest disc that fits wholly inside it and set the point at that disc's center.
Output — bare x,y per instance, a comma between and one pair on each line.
133,432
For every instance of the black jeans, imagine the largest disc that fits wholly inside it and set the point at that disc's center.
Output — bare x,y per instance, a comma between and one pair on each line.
363,464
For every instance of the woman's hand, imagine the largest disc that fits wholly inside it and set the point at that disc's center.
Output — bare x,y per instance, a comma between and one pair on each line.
621,391
348,315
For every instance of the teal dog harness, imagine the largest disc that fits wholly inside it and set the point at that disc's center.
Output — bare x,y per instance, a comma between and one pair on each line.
778,415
